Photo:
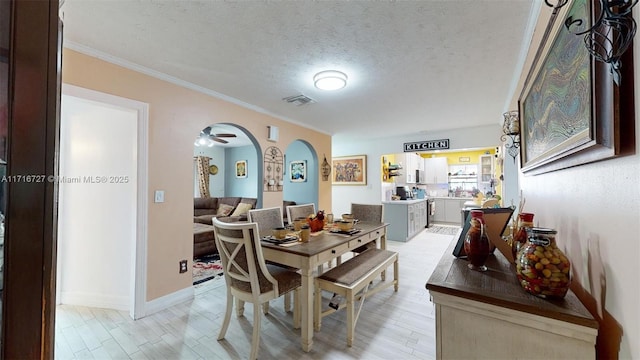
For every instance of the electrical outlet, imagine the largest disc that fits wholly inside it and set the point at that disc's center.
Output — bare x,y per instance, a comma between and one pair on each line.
183,266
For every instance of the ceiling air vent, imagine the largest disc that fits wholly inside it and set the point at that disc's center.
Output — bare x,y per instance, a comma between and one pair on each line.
299,100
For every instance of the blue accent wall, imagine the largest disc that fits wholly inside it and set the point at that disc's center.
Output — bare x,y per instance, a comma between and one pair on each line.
301,192
241,186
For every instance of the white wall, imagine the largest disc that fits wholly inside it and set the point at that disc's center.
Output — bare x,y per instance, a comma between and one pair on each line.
97,231
343,196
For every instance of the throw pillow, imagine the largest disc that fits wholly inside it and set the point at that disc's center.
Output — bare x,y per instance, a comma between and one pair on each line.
241,209
224,210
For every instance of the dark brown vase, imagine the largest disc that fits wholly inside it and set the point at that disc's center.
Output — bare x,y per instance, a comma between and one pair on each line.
476,243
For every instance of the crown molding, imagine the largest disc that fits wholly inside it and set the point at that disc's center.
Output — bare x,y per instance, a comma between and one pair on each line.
89,51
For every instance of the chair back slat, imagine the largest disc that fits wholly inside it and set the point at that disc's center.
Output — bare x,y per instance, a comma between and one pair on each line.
296,211
367,212
267,219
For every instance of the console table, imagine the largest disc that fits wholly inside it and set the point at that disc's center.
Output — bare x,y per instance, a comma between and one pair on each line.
490,316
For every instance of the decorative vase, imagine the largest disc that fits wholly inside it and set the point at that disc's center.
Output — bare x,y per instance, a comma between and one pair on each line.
520,237
316,222
476,243
543,269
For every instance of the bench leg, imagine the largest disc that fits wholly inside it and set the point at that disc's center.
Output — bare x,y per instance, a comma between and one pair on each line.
265,308
396,277
350,318
287,302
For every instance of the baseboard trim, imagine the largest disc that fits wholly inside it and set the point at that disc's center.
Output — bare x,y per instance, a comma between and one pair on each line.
168,300
95,300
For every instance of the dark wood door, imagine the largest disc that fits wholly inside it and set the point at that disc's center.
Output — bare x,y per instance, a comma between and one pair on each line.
29,146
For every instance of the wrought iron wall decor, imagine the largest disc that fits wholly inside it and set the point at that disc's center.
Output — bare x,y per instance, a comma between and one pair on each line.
511,133
273,169
610,35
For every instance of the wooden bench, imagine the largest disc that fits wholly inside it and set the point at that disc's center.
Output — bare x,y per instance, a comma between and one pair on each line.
349,279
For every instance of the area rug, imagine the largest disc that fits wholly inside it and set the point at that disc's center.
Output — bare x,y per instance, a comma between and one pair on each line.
207,268
444,230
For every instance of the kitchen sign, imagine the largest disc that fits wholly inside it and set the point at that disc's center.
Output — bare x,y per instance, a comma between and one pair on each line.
441,144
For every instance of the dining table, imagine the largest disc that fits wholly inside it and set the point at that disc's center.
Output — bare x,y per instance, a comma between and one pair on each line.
322,247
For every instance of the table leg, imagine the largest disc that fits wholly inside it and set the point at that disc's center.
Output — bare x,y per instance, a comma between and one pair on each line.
307,309
383,246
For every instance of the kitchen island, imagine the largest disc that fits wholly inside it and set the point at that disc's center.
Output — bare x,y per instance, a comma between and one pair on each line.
406,218
489,316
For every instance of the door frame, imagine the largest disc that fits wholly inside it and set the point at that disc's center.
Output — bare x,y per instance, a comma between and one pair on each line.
138,291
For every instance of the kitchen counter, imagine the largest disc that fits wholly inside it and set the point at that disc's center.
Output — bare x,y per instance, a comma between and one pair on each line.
466,198
411,201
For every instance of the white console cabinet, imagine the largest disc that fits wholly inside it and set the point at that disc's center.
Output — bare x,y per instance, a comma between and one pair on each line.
489,316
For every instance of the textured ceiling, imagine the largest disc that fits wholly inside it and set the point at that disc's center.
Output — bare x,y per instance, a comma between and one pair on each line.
413,66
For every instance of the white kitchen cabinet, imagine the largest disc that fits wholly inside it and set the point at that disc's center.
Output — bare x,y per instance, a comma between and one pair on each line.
412,159
409,165
438,216
486,171
452,211
448,210
419,162
406,218
436,170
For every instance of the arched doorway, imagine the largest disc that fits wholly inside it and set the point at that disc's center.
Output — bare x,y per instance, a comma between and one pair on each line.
295,189
225,155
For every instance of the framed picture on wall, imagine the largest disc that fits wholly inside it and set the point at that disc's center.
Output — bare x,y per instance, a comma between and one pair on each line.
571,111
241,169
298,171
349,170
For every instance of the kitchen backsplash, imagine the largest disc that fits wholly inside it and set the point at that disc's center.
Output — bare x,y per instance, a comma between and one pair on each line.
436,189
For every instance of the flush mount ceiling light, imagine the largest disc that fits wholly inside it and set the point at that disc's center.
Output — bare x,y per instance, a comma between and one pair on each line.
330,80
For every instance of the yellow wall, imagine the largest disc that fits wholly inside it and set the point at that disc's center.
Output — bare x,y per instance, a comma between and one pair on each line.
453,158
391,158
176,116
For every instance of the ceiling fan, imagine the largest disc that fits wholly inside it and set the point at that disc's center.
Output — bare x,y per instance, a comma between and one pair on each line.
207,137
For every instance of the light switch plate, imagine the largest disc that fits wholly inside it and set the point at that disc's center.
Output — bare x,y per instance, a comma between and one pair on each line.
159,196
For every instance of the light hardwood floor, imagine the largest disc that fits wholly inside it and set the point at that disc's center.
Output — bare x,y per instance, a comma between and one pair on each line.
391,326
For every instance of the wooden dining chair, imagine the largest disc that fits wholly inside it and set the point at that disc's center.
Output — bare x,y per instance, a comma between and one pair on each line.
267,219
302,210
369,213
248,278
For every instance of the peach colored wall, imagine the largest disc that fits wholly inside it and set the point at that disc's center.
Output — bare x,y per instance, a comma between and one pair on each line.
596,210
176,116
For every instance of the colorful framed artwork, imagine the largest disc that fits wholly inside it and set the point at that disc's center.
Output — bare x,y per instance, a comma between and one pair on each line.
298,171
241,169
570,108
349,170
